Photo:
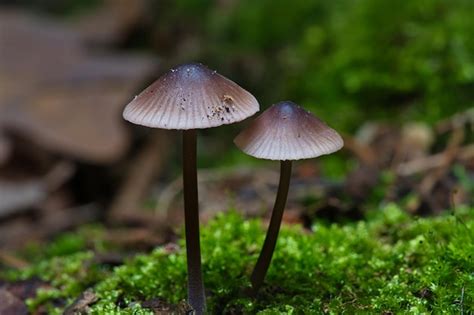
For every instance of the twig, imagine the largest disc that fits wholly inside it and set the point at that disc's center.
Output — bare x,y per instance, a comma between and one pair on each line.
362,151
132,237
16,197
144,169
58,175
12,261
451,151
169,193
82,303
456,121
438,160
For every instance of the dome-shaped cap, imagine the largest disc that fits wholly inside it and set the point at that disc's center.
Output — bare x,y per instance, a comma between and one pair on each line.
191,96
286,131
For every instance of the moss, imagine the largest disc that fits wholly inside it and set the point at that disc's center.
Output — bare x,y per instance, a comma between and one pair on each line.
390,262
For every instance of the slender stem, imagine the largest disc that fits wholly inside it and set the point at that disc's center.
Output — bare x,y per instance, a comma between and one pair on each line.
263,262
196,297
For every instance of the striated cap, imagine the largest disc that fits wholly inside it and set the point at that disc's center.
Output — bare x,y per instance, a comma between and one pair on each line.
191,96
286,131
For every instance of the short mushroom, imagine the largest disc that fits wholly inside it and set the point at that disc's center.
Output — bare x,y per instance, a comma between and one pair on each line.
187,98
284,132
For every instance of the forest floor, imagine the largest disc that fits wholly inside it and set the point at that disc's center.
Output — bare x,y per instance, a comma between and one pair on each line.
390,263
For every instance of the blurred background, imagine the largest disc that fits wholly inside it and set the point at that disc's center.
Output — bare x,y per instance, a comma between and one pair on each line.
395,78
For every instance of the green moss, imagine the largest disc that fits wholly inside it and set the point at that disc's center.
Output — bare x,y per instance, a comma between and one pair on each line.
390,262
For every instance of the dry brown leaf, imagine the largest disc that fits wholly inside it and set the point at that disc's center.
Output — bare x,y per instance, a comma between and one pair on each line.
61,95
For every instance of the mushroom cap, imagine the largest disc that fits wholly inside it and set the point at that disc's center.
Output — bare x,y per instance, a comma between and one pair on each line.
191,96
286,131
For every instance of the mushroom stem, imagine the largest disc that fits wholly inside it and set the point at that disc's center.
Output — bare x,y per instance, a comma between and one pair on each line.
196,297
263,262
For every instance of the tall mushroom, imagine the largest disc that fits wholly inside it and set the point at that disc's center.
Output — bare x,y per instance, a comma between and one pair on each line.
284,132
187,98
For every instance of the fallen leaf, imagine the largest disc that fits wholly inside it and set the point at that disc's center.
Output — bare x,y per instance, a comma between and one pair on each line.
61,95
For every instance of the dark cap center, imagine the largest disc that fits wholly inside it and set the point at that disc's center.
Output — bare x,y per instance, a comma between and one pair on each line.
192,71
286,109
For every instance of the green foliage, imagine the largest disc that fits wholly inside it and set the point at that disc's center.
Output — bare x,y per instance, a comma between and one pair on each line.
348,61
389,263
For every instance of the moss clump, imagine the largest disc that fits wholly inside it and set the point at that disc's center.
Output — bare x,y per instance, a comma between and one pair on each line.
389,263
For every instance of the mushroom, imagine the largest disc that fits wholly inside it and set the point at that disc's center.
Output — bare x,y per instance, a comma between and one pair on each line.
284,132
187,98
